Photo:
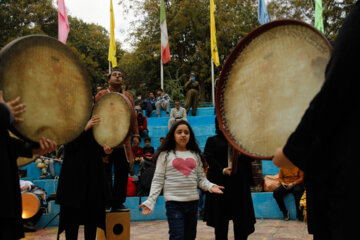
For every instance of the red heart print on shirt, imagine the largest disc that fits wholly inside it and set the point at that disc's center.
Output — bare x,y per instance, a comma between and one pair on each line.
184,166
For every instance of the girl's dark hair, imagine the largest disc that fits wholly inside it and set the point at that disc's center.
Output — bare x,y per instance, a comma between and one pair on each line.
169,143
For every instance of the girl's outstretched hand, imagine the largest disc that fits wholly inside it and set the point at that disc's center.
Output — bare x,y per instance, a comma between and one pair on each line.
146,210
216,189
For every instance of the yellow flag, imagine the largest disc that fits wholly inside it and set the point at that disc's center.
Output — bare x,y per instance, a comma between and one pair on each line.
112,46
214,49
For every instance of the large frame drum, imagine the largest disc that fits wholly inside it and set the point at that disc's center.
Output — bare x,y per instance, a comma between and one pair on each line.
116,119
52,82
267,83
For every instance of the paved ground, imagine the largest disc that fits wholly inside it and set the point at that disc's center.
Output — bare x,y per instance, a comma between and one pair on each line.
158,230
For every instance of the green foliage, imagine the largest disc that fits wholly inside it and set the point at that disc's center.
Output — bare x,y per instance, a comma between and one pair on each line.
188,30
21,18
189,38
173,87
88,41
334,12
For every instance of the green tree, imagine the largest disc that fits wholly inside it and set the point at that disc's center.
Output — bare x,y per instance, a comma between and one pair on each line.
21,18
189,38
88,41
334,12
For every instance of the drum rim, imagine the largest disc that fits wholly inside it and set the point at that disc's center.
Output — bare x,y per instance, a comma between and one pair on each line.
22,209
76,61
223,77
131,115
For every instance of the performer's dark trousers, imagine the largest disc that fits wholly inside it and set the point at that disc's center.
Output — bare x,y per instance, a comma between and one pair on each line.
71,232
280,192
121,171
149,108
221,231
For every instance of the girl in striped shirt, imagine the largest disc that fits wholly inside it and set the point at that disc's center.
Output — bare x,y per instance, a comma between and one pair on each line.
179,171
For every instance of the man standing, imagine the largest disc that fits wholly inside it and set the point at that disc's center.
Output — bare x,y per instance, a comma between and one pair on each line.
192,94
121,156
163,102
177,113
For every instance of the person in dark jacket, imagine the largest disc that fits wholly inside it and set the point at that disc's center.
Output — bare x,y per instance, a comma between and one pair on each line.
11,224
325,144
82,190
236,202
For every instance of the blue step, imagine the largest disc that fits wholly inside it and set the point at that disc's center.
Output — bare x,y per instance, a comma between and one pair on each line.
268,168
34,173
198,120
203,111
265,207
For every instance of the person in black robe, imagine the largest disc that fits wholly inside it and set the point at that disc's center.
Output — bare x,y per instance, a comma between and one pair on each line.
236,202
325,143
82,190
11,224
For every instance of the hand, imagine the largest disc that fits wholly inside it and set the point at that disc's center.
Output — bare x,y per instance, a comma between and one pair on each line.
16,108
281,161
94,120
105,159
227,171
46,146
217,189
146,210
290,186
108,150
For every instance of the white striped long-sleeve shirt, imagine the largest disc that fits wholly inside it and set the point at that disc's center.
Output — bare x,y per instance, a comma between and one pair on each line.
180,174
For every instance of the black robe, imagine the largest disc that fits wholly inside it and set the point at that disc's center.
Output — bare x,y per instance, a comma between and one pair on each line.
236,202
326,142
82,189
10,150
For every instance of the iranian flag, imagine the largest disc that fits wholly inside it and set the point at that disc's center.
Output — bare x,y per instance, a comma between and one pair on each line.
165,50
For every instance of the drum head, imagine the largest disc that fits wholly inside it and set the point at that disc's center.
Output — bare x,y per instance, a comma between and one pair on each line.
115,115
30,205
53,84
267,84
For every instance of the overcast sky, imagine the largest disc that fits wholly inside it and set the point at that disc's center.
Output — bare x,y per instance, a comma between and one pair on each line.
98,12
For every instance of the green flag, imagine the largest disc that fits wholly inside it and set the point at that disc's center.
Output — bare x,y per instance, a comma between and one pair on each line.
318,16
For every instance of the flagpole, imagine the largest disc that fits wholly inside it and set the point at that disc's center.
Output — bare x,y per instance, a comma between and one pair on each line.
109,67
212,82
161,74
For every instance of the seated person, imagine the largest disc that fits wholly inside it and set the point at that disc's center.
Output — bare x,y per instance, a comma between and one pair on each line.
149,104
177,113
138,156
142,122
148,152
291,182
138,100
28,186
55,156
162,102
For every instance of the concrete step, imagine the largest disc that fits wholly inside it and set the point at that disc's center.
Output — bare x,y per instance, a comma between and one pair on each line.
265,207
203,111
198,120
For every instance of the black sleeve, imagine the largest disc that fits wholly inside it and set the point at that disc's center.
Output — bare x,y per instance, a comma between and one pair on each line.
334,101
6,117
210,156
23,149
